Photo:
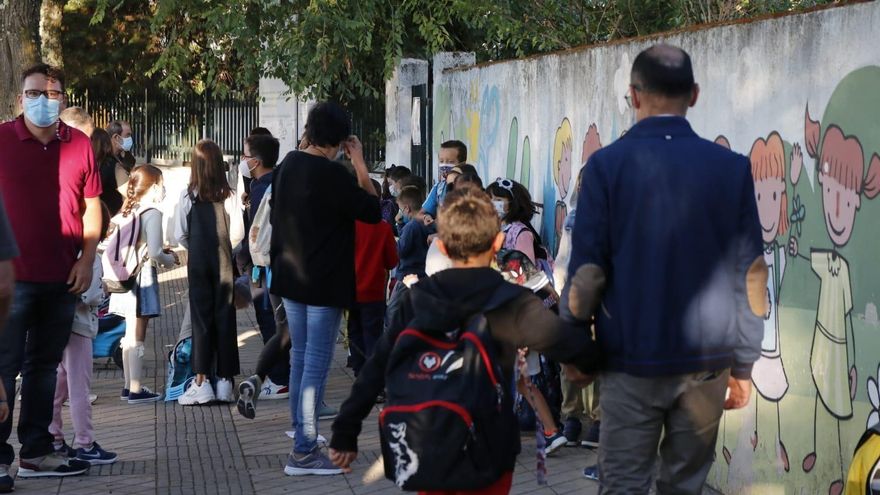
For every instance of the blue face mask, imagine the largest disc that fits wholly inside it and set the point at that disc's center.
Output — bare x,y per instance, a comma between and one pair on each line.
127,143
42,112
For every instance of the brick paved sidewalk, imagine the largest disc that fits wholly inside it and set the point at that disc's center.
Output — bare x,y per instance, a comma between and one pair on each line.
168,449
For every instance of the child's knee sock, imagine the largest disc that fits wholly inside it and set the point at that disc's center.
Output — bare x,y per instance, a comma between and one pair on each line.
126,363
136,358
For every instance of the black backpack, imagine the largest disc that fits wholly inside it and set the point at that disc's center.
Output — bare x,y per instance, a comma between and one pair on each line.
447,420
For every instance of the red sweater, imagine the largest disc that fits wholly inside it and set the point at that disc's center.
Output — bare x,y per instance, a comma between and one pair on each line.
375,252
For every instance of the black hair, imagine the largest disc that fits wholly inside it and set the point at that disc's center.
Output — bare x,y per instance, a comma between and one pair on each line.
411,196
458,145
263,147
664,70
50,71
468,178
467,168
521,207
261,131
397,172
328,124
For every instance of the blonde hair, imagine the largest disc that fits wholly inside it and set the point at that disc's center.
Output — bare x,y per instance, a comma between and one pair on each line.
563,139
768,162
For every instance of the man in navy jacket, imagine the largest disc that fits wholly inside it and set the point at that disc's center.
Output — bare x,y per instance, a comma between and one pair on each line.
666,259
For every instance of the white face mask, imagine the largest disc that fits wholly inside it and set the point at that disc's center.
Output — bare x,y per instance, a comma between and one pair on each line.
245,169
499,207
393,190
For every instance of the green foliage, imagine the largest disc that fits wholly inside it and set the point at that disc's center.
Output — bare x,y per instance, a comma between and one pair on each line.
346,49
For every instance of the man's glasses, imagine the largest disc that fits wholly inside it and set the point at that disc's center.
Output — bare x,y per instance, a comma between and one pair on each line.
628,97
33,94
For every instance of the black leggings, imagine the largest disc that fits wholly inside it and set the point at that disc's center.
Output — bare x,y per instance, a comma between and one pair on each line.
277,349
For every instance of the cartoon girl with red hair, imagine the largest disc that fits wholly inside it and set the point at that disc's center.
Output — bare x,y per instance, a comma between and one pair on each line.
841,175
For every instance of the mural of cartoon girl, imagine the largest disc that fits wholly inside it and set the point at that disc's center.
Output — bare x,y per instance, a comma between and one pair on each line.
768,171
561,165
841,175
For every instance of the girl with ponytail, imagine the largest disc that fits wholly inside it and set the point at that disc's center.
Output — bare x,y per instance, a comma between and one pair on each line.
144,195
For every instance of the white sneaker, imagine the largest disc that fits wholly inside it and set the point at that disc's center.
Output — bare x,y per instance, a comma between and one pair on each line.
224,391
270,390
197,394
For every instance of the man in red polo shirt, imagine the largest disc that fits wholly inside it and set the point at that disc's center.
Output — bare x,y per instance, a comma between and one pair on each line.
50,187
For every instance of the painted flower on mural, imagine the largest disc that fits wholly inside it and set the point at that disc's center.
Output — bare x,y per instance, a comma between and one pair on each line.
874,397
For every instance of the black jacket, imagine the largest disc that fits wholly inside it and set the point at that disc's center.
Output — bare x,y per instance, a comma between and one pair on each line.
442,303
315,203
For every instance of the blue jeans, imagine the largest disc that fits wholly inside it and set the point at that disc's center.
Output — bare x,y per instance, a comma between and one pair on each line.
313,336
33,344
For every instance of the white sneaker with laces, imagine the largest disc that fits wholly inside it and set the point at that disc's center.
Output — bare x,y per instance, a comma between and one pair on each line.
197,394
271,390
224,391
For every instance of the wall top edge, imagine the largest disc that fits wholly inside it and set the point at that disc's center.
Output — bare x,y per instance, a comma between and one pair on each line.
664,34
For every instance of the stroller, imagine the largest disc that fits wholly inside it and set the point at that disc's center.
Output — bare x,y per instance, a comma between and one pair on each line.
111,329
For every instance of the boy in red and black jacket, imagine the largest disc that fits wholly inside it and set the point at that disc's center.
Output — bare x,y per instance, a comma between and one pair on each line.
469,233
375,253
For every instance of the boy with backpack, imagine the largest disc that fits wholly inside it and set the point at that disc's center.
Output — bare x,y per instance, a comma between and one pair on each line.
447,365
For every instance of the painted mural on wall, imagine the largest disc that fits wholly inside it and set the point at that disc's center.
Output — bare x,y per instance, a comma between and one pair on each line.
809,121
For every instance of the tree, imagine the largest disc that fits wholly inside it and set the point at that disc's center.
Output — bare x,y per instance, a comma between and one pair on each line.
19,47
346,49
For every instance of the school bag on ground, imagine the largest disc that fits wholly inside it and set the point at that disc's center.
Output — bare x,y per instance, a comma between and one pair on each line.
863,477
180,371
444,425
121,261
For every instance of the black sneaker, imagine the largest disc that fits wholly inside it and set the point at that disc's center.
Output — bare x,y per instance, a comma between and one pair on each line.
554,442
248,393
591,441
144,396
66,450
572,431
53,465
7,484
124,394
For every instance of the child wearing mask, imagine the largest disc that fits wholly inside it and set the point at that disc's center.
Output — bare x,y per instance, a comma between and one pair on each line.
75,371
145,194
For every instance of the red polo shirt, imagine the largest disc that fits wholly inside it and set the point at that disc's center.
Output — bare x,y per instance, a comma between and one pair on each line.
43,188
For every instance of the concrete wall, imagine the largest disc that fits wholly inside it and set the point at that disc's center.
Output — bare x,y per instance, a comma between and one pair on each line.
398,110
788,90
284,115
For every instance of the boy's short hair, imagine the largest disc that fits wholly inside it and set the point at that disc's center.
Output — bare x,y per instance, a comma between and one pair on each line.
412,197
414,181
263,147
397,172
458,145
328,124
467,223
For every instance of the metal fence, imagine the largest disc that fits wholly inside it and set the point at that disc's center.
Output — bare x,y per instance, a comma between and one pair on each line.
166,126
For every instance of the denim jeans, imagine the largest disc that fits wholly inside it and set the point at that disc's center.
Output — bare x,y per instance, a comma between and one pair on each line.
33,343
313,336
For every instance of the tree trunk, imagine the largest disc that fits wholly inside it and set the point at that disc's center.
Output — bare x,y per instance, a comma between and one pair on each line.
19,48
50,31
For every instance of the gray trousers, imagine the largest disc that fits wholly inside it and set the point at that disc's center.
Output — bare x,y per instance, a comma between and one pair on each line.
679,413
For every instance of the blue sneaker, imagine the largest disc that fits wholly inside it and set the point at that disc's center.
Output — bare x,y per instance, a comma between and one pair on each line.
314,463
554,442
592,472
144,396
96,455
591,441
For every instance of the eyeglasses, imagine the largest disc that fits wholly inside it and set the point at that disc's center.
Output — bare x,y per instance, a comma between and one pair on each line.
505,184
33,94
628,97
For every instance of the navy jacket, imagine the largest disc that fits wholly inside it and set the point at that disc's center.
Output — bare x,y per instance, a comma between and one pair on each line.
672,221
412,247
